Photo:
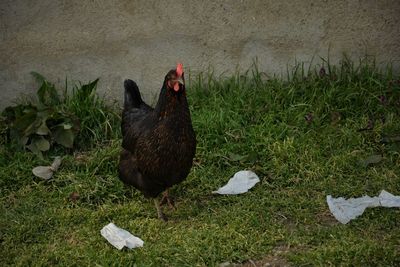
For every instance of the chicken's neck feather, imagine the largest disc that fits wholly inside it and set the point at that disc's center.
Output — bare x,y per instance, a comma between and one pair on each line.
171,102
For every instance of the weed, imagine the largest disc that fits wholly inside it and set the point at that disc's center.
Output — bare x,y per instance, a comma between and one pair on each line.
54,119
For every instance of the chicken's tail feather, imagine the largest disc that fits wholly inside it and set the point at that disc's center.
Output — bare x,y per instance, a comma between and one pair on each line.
132,98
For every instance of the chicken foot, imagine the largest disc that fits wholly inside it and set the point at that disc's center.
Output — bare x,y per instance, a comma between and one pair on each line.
166,199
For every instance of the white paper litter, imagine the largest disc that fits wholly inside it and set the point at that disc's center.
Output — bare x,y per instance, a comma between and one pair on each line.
346,210
46,172
120,238
240,183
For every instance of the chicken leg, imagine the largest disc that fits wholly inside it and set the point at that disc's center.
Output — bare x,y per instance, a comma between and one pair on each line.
167,199
160,214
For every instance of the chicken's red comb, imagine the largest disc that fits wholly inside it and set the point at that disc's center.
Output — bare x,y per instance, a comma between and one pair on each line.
179,69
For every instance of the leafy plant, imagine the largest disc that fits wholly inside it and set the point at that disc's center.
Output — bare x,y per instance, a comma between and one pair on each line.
37,126
77,119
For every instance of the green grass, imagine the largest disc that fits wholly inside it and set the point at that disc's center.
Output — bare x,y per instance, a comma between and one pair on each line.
242,122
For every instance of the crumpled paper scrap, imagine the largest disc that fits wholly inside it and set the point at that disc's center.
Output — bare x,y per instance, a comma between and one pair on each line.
240,183
46,172
346,210
120,238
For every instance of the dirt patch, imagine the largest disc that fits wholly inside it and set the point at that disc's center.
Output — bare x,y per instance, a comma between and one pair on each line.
326,218
275,258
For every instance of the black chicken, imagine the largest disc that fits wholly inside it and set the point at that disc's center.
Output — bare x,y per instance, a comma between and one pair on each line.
158,144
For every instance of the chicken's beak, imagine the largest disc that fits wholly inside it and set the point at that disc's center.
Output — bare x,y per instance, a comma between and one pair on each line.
176,83
180,80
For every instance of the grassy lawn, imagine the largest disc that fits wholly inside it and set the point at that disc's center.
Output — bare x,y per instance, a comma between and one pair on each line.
302,137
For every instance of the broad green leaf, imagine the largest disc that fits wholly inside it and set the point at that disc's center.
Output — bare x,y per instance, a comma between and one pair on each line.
67,126
41,143
86,90
43,129
23,122
27,124
39,77
9,113
35,150
33,127
48,95
64,137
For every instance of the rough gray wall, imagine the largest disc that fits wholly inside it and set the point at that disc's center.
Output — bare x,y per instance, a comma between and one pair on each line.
143,39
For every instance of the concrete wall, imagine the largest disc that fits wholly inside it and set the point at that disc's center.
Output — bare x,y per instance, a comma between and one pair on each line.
143,39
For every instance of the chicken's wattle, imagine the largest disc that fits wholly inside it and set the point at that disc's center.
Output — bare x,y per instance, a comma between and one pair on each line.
176,86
